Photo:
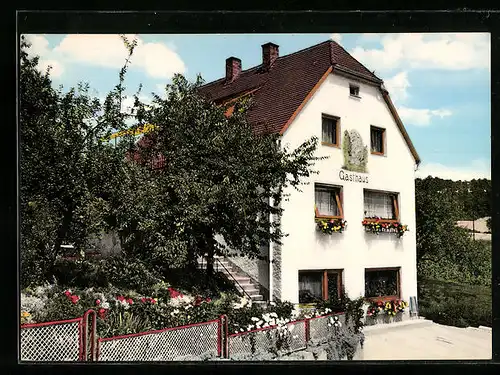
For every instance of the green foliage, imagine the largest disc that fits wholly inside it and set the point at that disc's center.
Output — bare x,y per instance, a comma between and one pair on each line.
66,170
445,251
117,271
455,304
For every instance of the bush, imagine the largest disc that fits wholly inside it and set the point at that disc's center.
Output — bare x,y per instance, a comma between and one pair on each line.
459,305
117,271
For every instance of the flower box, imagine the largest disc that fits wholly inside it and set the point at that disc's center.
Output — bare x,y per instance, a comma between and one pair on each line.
377,225
380,312
329,226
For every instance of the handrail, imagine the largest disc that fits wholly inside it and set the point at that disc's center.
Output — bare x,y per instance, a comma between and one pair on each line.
217,263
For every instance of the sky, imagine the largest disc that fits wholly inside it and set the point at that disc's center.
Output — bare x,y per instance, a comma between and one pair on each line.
439,82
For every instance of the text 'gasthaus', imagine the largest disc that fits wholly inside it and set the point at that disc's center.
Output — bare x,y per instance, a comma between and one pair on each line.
353,177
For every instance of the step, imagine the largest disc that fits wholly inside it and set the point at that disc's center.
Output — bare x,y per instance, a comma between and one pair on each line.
252,291
256,297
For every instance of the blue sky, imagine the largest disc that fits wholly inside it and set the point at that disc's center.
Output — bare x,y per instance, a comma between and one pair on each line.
440,83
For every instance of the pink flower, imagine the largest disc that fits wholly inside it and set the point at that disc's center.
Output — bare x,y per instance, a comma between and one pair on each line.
207,299
120,298
129,301
98,302
143,299
102,313
74,299
67,293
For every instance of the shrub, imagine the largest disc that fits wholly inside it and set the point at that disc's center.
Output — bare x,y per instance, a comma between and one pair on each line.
117,271
454,304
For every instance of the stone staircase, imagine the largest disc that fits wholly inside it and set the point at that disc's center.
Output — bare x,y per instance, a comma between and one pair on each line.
244,284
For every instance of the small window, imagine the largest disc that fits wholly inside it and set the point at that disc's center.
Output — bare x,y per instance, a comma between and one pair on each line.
330,131
377,137
382,283
327,202
354,90
319,285
381,205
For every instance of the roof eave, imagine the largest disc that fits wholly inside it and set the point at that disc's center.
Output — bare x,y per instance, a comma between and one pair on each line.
400,125
360,76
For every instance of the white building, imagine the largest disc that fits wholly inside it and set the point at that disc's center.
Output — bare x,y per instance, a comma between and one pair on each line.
322,91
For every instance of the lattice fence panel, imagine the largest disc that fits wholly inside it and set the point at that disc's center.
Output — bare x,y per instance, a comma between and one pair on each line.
51,343
166,345
266,340
319,328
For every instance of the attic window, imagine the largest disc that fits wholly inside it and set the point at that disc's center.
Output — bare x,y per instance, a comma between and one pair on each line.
354,90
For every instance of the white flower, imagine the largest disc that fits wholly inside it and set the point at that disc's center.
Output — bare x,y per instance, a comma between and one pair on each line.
254,319
105,305
241,330
272,303
172,313
260,322
327,310
274,315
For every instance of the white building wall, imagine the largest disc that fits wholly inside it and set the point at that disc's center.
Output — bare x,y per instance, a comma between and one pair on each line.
353,250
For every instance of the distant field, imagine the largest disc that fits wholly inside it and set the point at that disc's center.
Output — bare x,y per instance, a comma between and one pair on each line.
455,304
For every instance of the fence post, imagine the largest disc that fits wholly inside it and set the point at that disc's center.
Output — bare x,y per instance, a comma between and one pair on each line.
86,335
308,331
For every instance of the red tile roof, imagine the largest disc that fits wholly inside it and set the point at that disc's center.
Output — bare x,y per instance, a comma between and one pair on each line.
280,92
283,88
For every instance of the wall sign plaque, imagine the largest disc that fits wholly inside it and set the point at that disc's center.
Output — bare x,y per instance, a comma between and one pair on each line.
355,152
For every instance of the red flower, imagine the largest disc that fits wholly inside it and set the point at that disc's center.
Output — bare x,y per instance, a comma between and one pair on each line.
129,301
143,299
120,298
75,299
102,313
207,299
67,293
98,302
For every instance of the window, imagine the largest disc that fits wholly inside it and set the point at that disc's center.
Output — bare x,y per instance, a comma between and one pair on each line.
381,204
377,137
330,131
382,282
354,90
327,202
319,285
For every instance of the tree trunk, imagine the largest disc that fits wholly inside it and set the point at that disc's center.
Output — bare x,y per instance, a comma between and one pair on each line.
61,235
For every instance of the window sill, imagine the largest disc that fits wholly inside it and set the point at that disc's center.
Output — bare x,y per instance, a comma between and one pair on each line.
321,217
336,145
371,220
378,153
382,298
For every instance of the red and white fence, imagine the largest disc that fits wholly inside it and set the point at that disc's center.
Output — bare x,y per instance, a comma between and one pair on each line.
164,345
65,340
295,337
75,340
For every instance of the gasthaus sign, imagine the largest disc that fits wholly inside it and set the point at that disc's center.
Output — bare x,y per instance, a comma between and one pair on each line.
354,177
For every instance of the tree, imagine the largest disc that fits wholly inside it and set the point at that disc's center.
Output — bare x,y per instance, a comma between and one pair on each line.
218,178
66,169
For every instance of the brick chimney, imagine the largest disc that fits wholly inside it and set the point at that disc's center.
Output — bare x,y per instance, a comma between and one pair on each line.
270,52
233,68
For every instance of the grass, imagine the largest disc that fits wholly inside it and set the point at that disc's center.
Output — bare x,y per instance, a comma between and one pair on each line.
455,304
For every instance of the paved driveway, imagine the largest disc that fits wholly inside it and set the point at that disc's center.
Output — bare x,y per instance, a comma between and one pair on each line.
425,340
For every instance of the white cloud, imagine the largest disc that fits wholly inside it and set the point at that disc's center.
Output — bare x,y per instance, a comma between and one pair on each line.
336,37
398,86
421,117
40,47
156,59
476,169
451,51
